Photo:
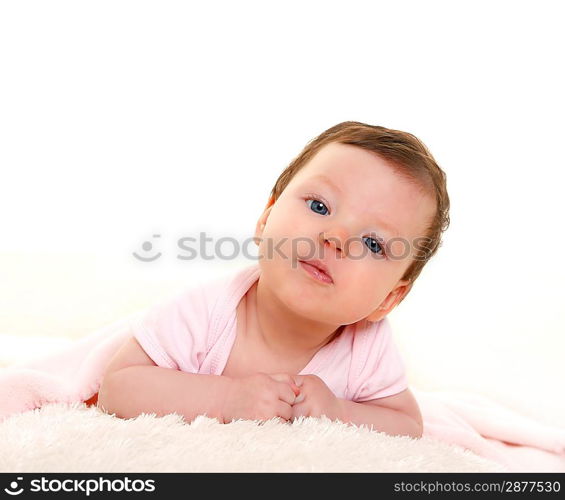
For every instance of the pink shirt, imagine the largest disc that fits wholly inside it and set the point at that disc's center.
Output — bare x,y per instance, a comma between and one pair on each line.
195,331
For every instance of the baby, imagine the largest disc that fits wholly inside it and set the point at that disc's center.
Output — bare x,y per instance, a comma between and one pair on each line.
348,227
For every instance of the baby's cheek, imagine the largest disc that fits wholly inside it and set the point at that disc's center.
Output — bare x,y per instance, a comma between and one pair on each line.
362,295
399,249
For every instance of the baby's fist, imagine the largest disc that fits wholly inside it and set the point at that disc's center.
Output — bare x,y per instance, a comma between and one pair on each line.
315,399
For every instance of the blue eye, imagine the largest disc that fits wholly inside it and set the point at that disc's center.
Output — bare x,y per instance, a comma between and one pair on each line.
317,205
376,244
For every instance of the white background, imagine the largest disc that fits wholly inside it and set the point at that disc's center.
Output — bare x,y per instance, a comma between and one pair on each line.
121,120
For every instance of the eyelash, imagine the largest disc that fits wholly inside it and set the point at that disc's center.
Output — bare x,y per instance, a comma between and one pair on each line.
315,197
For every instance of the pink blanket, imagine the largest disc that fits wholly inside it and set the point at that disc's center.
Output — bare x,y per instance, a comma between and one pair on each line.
490,430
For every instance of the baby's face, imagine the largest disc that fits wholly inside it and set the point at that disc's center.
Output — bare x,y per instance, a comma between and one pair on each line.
342,208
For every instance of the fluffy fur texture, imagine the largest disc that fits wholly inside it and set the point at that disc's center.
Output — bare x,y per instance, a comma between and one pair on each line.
74,438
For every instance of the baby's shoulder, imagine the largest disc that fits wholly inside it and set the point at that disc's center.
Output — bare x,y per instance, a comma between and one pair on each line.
370,341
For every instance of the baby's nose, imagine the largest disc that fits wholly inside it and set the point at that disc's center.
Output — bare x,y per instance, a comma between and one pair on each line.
336,238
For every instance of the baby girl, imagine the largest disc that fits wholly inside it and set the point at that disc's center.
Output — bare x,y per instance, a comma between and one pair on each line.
347,229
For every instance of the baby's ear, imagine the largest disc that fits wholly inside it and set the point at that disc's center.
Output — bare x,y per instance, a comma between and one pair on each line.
378,314
271,202
259,228
263,219
391,301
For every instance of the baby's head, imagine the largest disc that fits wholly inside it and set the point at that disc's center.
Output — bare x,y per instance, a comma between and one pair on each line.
371,204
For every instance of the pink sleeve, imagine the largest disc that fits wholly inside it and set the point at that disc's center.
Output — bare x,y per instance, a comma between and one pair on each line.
174,332
379,366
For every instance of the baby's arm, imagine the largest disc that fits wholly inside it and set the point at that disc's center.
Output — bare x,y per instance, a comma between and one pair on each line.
133,384
134,390
396,415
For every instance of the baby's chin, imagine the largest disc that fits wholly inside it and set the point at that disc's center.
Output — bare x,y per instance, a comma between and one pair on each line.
305,301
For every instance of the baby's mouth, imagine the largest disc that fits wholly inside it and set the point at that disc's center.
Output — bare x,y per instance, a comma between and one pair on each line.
317,270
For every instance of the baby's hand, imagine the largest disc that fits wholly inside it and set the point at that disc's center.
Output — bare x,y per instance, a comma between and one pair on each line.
260,397
315,399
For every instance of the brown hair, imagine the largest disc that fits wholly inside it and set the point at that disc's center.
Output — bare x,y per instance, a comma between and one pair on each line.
410,159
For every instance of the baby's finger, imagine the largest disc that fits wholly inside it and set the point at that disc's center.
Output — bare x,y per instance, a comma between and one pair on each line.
285,377
284,411
299,399
299,410
286,394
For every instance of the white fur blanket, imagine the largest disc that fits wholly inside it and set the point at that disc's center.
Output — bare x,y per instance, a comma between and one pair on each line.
73,438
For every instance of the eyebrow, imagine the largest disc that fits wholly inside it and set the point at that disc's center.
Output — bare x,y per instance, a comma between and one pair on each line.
391,230
327,181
